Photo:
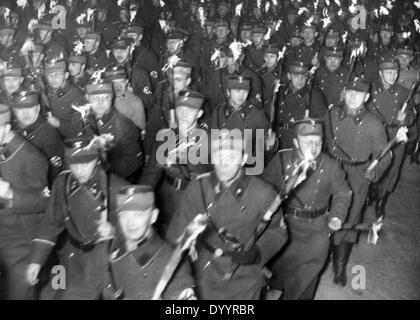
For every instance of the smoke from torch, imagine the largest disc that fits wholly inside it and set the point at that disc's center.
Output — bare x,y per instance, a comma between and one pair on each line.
202,17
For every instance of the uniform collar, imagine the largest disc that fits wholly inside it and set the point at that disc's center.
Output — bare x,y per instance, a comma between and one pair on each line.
357,117
147,250
243,110
31,128
237,189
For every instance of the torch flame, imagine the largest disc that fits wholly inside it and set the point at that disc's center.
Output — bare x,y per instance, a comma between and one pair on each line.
202,17
22,3
238,9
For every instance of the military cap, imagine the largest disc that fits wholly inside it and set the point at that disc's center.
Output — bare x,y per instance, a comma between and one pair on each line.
93,35
221,23
5,114
334,52
246,26
332,33
177,34
12,71
311,25
386,26
54,65
239,82
121,42
298,67
80,150
259,29
135,28
24,99
406,50
77,58
272,48
182,67
308,127
210,22
102,86
388,62
402,28
190,98
225,139
358,84
135,198
115,72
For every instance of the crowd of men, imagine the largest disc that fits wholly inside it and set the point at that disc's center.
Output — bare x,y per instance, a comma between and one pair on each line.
91,91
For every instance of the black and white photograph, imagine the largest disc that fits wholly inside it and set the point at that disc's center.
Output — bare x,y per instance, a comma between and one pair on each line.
214,150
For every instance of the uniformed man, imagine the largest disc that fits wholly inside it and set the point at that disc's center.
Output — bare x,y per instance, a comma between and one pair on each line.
125,101
309,50
364,65
386,44
408,76
239,113
140,256
23,193
62,95
12,79
77,70
348,128
229,65
308,213
271,75
34,128
55,47
296,101
139,78
175,47
84,253
98,58
143,56
254,55
163,113
125,155
9,49
332,76
175,166
236,203
388,98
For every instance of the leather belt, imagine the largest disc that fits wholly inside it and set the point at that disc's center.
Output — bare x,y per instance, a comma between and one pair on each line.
306,214
349,162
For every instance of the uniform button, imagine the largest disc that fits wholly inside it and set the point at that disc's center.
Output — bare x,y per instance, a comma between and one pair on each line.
243,209
145,275
71,255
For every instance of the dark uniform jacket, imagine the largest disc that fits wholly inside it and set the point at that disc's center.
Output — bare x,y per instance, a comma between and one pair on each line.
76,210
126,155
46,139
331,83
239,210
138,272
61,101
217,86
324,182
356,139
291,106
385,104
